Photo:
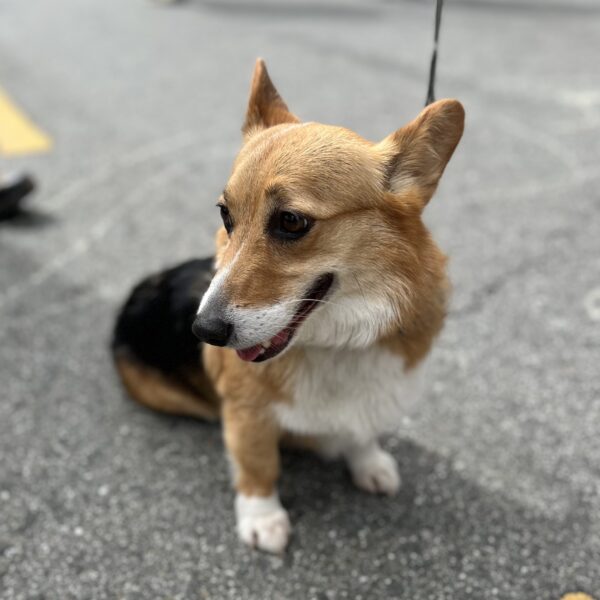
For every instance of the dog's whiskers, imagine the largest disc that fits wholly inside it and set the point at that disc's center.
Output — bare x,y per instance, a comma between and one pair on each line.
300,300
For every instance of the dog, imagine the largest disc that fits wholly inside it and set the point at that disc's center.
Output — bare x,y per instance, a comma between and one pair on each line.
318,314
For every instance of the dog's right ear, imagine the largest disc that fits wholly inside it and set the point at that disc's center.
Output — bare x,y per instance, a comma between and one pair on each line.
265,106
417,154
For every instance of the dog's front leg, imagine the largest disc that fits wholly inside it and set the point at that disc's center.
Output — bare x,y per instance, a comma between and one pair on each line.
252,440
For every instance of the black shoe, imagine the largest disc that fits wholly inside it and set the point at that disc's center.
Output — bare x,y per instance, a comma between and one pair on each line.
12,191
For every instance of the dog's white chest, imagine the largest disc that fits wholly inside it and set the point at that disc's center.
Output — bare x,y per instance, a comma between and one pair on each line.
360,393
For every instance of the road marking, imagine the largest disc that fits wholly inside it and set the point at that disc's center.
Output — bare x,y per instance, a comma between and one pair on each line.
18,135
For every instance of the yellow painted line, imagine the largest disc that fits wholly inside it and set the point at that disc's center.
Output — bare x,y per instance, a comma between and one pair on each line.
18,134
576,596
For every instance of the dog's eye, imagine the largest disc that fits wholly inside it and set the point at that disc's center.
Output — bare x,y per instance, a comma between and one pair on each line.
293,223
289,225
227,220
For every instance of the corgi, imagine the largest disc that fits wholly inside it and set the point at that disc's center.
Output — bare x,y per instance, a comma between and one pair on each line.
317,316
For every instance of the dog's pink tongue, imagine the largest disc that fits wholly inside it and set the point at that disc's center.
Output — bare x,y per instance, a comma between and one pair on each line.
249,354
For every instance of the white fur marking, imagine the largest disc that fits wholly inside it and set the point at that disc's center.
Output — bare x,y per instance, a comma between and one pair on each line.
355,394
214,289
255,325
349,321
373,469
262,522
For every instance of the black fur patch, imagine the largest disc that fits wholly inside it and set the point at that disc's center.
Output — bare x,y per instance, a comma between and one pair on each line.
155,323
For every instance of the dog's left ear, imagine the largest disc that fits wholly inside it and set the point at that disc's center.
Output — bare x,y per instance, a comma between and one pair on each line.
416,155
265,106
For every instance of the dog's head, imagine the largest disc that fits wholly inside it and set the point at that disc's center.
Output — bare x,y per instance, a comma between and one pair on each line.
322,239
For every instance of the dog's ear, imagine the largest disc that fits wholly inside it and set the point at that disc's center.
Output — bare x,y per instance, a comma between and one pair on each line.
265,106
415,156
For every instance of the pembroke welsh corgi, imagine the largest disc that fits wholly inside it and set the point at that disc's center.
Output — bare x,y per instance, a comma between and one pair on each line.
319,310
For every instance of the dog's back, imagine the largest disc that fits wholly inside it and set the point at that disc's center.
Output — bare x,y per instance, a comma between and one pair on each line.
157,356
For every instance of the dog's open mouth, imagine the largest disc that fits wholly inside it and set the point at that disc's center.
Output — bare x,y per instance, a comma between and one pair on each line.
280,341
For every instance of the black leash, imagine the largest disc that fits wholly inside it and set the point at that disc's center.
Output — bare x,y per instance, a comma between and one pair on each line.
438,20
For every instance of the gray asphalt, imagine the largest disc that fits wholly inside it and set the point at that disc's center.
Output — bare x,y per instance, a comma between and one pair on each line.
100,498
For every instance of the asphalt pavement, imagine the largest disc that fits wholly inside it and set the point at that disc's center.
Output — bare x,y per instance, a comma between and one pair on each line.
100,498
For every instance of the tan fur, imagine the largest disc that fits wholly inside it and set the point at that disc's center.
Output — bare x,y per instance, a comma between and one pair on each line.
251,435
424,267
265,106
252,438
165,394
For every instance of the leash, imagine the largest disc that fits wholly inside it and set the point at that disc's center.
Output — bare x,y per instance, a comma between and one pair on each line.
436,36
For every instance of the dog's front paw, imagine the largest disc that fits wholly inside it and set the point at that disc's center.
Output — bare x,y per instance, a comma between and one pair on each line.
269,532
375,470
262,522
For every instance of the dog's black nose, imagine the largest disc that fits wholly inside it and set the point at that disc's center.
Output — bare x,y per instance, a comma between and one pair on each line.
212,330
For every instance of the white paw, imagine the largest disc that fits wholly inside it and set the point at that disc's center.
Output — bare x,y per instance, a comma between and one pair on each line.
269,533
262,522
375,470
